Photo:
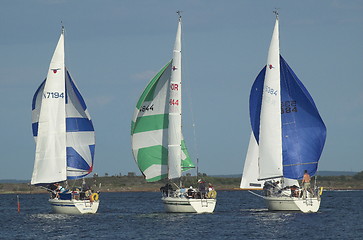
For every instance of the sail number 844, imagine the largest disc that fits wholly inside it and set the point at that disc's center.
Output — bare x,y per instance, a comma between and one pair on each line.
147,108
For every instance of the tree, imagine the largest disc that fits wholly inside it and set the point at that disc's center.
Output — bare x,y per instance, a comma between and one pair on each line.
358,176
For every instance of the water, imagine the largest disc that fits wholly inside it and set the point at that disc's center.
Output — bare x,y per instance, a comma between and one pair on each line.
140,215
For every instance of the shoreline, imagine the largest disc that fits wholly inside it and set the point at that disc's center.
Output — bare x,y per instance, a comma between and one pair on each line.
138,184
156,190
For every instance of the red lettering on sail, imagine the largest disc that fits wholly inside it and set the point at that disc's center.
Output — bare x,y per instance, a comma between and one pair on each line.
174,102
174,87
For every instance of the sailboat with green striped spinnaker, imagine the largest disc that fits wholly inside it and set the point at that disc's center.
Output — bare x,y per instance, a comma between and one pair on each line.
156,133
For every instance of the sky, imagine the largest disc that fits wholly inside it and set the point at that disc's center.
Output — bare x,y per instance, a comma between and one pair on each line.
114,47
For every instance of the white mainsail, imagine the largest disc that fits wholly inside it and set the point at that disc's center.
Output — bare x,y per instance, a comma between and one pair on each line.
175,130
270,142
62,127
50,153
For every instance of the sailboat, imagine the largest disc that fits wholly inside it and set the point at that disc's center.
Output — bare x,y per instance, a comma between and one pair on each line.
287,139
64,136
157,141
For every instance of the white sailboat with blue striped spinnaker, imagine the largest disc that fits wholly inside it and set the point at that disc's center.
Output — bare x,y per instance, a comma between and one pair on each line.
64,134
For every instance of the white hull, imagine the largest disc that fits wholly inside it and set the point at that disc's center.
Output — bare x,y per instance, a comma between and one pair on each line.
74,206
280,203
188,205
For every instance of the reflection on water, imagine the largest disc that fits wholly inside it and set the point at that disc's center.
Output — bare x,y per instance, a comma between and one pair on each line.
51,216
167,216
255,210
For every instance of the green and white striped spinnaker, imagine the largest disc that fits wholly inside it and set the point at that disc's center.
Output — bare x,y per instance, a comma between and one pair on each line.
149,129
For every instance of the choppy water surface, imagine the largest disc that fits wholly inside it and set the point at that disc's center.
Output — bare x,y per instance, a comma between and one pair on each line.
238,215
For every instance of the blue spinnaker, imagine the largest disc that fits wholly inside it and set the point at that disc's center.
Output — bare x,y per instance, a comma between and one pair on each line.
303,130
80,133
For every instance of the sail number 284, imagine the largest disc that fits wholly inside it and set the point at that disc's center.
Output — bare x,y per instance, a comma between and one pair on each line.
53,95
288,107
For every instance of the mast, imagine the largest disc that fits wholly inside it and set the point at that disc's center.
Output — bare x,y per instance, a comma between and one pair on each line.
174,130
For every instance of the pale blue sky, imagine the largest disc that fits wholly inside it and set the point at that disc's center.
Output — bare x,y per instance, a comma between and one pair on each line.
114,47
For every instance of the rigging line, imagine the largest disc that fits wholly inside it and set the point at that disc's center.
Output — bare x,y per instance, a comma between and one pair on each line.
188,93
67,58
189,97
258,195
65,45
74,183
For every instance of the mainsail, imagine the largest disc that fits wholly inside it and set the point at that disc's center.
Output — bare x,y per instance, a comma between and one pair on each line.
62,127
157,141
270,141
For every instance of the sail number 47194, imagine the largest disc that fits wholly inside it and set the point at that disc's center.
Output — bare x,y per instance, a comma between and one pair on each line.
53,95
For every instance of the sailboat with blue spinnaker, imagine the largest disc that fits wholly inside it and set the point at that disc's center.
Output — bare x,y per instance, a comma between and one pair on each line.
287,139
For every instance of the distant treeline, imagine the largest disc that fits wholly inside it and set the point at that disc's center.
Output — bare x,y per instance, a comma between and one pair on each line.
138,183
356,177
133,174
